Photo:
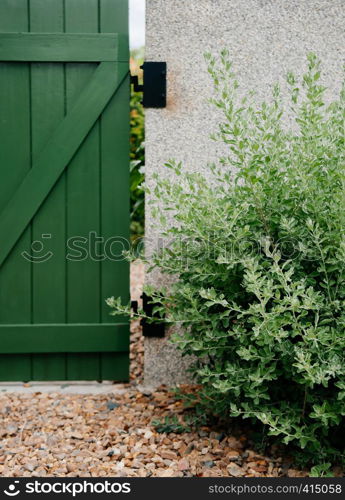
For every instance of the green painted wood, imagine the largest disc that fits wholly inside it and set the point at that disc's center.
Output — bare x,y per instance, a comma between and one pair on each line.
84,366
114,366
63,300
47,366
56,47
58,152
64,338
48,278
15,367
83,185
114,186
15,275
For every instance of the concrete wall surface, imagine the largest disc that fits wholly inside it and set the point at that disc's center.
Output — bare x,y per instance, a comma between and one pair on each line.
266,38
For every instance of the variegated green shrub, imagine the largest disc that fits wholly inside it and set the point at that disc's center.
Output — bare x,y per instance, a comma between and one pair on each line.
258,257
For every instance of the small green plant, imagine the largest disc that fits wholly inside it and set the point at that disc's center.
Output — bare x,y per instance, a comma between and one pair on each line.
170,424
258,261
322,470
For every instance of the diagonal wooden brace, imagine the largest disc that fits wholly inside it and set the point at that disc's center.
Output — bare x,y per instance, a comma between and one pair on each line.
58,152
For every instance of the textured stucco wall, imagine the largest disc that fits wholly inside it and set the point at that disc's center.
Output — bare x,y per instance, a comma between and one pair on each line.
265,38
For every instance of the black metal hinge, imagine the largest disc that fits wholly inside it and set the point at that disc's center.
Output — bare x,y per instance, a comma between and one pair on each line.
154,87
134,306
151,329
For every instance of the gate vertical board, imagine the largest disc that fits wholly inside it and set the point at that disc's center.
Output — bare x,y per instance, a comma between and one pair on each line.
83,183
64,133
15,279
111,197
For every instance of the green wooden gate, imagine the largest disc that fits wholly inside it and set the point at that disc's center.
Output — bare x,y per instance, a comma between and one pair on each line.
64,188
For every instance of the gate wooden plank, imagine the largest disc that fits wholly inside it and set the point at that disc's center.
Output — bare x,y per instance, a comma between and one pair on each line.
58,152
15,276
115,366
55,47
64,337
115,182
49,277
83,201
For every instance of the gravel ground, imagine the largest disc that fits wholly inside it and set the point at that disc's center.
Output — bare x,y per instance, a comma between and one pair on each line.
54,434
111,435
